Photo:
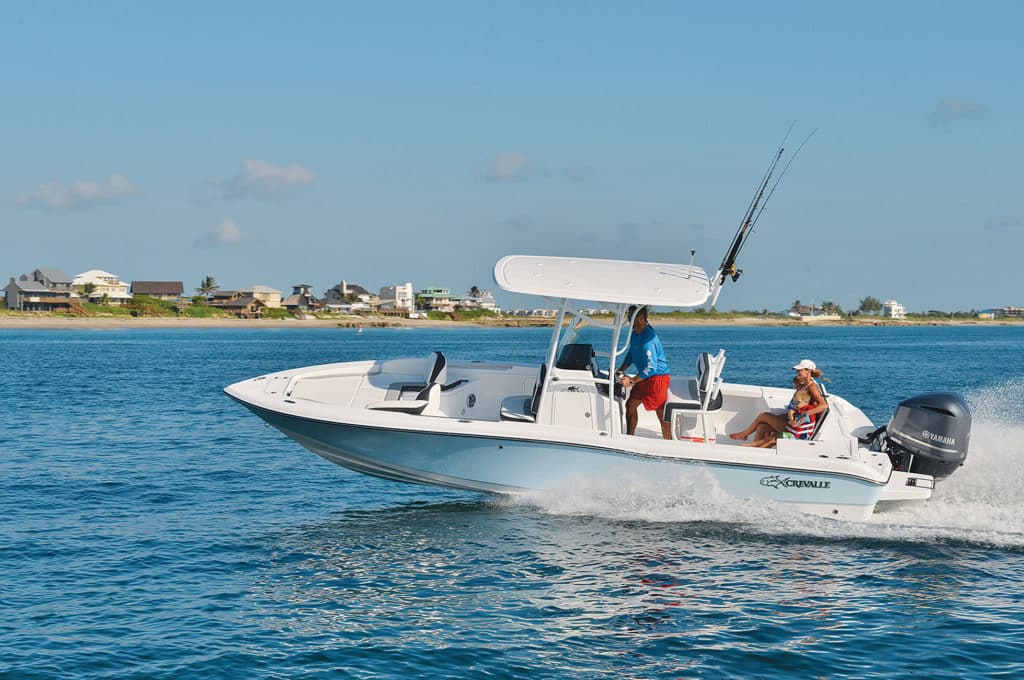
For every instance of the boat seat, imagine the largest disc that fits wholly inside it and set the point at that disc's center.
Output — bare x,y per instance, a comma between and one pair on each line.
438,370
427,400
426,403
823,414
408,390
705,389
523,408
517,408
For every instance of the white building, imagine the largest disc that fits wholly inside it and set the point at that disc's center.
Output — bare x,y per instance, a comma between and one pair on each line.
893,310
1008,311
104,286
484,300
398,297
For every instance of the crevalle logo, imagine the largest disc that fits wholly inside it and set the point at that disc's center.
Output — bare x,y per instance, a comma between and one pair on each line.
779,482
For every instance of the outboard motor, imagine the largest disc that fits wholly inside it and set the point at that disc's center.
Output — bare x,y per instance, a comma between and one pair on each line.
929,434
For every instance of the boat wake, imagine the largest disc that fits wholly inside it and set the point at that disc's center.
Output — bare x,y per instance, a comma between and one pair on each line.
979,504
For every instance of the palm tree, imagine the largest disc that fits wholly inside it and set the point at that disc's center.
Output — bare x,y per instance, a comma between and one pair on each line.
88,289
207,286
474,292
870,304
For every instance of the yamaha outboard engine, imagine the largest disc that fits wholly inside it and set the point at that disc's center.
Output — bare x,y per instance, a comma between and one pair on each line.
929,434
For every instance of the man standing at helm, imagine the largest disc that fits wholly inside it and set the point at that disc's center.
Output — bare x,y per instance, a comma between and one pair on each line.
650,384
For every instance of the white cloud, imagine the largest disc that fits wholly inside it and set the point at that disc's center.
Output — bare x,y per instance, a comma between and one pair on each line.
509,166
57,197
264,180
957,108
226,235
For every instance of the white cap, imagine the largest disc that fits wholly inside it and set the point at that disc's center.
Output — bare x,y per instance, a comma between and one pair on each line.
806,363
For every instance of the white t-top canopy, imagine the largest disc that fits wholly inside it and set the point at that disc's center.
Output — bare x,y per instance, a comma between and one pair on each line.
611,281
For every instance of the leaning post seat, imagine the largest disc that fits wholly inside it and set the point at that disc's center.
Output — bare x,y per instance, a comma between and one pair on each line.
705,396
706,387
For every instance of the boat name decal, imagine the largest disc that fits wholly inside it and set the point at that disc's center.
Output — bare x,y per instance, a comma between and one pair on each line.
938,438
777,482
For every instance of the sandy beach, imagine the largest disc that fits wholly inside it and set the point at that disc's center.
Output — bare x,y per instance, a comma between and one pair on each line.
32,321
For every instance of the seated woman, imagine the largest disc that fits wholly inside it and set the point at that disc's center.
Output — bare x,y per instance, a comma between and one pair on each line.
801,415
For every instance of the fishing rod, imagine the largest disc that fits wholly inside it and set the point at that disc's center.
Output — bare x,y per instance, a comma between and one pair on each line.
754,210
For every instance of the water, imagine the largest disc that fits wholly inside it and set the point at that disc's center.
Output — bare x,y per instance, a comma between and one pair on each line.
154,529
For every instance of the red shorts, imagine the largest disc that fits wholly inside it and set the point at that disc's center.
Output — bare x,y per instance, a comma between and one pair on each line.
653,392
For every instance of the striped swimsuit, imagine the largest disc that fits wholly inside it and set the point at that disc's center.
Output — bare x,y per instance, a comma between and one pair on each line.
804,427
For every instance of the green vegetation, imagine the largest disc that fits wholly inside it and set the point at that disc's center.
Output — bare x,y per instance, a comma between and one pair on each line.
936,314
144,305
95,309
438,316
870,305
201,312
471,314
701,313
276,313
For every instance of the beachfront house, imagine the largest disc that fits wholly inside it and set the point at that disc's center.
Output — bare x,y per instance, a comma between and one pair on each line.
265,294
219,298
245,307
1016,312
893,310
397,298
301,299
56,280
482,300
28,295
346,297
104,287
436,300
168,291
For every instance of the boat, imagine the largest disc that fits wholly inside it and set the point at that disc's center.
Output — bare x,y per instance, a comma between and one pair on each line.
506,428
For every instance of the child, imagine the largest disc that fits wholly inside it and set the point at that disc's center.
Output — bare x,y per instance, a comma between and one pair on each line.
797,405
799,425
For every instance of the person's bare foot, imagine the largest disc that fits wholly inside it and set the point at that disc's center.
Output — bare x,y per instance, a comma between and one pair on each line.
738,436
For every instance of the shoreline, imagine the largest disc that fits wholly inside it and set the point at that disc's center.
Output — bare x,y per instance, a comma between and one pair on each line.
9,322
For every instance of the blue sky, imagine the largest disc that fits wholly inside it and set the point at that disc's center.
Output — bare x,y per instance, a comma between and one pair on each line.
283,143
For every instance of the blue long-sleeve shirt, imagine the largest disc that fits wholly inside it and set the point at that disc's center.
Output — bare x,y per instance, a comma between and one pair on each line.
646,352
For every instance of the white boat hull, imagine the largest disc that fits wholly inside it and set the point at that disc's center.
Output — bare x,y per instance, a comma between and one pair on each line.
514,465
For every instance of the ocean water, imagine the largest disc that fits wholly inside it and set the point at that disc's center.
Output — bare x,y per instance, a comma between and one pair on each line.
151,528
